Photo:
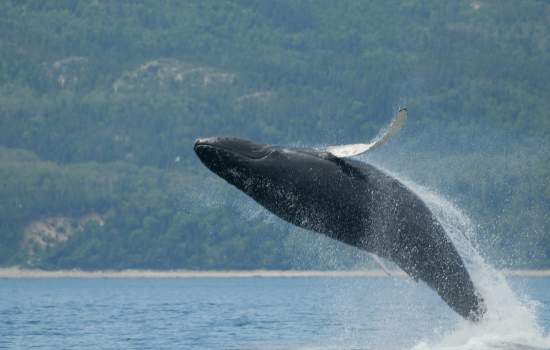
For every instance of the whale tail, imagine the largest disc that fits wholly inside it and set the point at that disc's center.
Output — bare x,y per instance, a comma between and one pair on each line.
343,151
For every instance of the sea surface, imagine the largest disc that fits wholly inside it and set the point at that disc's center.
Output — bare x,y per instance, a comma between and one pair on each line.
260,313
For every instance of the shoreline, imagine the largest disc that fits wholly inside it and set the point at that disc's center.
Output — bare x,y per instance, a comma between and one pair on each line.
16,273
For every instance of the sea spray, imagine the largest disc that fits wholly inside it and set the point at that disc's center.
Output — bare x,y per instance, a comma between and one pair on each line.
510,321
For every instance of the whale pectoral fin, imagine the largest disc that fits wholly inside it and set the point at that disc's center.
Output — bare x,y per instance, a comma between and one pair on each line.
351,150
343,151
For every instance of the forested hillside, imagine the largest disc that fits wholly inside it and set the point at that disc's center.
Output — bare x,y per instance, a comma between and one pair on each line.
100,102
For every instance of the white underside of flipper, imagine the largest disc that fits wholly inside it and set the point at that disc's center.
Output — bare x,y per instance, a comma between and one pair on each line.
355,149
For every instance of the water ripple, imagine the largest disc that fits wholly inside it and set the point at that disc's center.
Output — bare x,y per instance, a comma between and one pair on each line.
298,313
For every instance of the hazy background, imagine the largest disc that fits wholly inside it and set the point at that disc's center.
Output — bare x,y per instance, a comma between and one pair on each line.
100,102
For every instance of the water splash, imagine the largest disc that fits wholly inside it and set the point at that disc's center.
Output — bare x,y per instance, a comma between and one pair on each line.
510,321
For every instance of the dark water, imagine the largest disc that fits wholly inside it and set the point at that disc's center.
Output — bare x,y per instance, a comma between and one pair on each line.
243,313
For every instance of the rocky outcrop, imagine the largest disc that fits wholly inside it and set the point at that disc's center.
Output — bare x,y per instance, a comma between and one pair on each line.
169,73
48,232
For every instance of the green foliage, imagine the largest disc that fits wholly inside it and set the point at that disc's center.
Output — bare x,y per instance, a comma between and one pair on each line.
100,103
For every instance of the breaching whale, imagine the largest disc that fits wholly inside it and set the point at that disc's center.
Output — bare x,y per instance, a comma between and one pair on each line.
350,201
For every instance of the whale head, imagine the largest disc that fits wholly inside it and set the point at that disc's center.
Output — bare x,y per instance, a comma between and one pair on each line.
287,181
247,164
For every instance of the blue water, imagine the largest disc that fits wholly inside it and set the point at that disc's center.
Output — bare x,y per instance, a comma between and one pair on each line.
234,313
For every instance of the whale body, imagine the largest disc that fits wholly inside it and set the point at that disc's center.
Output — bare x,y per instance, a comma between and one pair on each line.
349,201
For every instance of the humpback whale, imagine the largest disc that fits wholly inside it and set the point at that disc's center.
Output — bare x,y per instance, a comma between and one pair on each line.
350,201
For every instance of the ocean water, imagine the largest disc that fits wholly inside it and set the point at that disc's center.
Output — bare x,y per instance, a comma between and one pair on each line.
257,313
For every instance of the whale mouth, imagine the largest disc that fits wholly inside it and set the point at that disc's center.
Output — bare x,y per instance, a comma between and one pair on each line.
231,145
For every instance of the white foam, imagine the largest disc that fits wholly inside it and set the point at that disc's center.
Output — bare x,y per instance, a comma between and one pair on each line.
510,321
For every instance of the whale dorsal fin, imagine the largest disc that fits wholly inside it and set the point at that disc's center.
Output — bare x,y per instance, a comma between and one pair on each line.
343,151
